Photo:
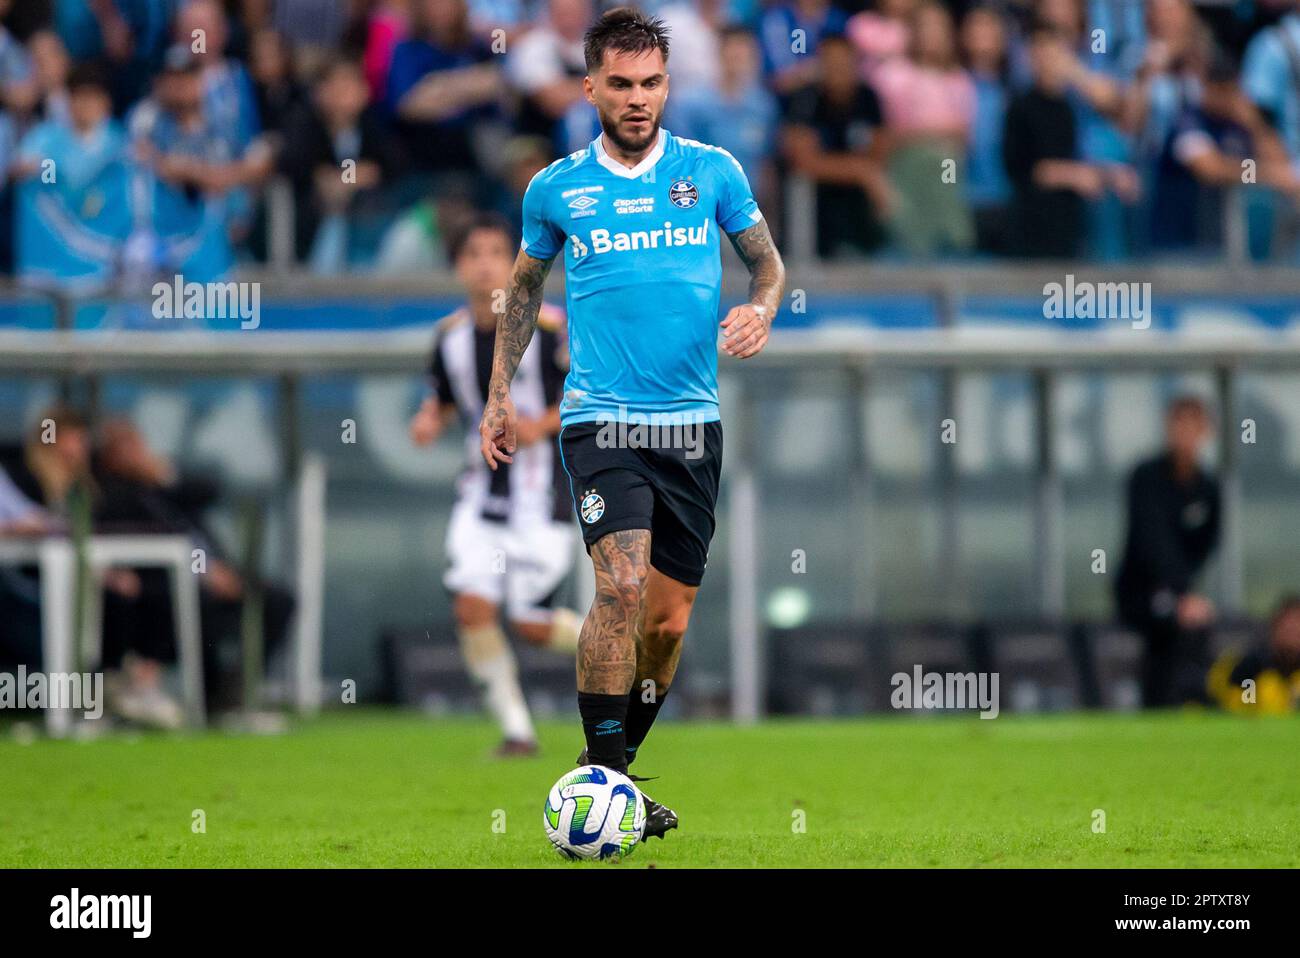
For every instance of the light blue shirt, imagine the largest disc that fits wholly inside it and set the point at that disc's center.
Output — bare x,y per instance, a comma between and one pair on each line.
643,273
1269,80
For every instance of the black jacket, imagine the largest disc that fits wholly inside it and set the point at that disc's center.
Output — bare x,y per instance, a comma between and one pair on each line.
1172,530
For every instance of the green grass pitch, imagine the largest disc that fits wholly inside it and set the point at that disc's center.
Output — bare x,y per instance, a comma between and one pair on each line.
377,788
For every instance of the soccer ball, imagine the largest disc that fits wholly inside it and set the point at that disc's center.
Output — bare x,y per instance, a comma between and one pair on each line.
594,812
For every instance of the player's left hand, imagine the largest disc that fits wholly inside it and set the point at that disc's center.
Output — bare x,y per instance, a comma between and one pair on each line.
746,330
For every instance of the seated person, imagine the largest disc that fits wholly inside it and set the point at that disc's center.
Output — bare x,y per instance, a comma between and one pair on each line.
142,491
53,470
1274,668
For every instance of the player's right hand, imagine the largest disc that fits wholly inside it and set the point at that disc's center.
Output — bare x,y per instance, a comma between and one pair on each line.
497,431
426,424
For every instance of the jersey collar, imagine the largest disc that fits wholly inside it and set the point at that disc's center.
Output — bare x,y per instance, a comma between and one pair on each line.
618,169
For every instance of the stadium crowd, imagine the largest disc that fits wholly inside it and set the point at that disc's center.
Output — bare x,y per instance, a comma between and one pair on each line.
140,138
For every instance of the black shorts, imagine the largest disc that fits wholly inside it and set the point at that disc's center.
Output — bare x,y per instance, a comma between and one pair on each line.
670,491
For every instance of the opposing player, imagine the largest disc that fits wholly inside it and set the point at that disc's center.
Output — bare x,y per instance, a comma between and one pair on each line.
510,540
637,215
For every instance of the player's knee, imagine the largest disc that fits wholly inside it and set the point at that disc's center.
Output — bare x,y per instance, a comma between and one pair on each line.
666,626
473,612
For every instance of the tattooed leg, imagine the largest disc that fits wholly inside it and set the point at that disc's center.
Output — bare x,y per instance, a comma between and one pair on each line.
607,646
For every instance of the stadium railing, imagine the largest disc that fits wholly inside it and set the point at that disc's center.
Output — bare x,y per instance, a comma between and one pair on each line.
858,353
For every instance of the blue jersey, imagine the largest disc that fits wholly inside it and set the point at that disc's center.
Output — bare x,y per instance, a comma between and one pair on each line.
643,274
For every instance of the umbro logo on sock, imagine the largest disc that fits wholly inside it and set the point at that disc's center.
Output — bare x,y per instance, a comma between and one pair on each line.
608,727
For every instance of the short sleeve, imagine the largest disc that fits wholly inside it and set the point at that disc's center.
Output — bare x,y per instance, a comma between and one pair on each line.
439,384
1263,72
737,209
541,238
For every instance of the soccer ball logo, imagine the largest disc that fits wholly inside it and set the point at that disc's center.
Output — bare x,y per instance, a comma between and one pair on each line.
684,194
593,507
594,812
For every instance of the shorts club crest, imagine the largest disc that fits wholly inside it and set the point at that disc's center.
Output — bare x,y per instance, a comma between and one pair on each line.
593,507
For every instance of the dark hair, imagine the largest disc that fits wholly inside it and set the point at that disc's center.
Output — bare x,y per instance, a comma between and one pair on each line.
625,30
88,74
479,221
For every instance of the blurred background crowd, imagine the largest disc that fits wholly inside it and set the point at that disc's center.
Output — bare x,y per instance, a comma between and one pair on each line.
142,138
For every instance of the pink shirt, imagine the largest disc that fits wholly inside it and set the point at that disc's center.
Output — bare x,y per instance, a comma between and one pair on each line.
877,38
387,29
917,99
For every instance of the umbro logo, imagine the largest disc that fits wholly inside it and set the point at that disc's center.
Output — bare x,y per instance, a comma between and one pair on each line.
582,206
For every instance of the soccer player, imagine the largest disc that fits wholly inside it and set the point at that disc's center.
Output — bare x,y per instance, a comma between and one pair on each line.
637,215
510,540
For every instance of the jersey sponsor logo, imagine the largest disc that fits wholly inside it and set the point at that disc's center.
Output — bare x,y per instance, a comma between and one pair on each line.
579,247
593,507
642,204
578,190
684,194
603,241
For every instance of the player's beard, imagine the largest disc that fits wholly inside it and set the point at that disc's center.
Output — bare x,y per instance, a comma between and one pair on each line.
627,144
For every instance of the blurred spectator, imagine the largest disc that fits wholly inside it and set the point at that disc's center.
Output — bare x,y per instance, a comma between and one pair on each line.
384,28
1168,77
140,491
693,26
313,28
1203,159
416,242
229,102
791,34
443,84
1040,150
1271,78
131,35
72,207
512,16
988,191
831,137
187,175
51,66
1096,83
525,157
53,469
928,103
1273,668
882,34
276,89
1173,527
337,153
20,517
739,115
546,65
18,91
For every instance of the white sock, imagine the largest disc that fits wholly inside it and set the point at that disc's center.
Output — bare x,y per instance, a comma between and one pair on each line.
492,664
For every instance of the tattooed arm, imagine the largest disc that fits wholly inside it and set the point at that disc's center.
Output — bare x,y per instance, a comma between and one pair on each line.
514,331
748,326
